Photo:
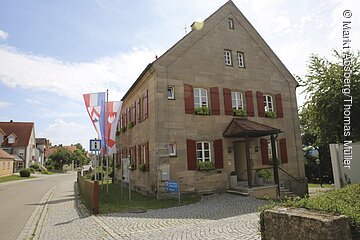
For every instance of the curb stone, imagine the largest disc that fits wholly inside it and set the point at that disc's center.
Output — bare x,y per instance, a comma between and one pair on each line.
32,224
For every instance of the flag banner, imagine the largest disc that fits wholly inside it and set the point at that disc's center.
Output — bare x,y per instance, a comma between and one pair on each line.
95,106
112,117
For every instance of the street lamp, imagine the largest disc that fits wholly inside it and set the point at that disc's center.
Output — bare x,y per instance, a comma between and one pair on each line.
318,164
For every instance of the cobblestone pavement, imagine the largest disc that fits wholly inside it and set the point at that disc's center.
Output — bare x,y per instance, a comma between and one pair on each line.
222,216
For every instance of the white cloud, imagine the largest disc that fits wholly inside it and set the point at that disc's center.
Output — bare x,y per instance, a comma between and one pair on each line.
66,133
4,104
3,35
71,80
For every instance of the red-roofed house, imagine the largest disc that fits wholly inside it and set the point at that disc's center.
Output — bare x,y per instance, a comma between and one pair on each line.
19,141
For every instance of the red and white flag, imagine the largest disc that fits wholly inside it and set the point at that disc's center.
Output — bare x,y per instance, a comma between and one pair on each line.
112,117
95,106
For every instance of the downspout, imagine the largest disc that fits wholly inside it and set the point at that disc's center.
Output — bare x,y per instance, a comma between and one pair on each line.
294,127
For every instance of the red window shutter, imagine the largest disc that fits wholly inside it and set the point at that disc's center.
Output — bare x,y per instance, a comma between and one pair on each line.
147,157
264,151
215,102
227,101
279,107
283,150
191,154
249,103
134,156
146,105
134,114
260,103
138,111
189,99
139,154
125,118
219,161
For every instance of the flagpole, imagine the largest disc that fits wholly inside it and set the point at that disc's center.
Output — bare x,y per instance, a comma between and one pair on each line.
107,141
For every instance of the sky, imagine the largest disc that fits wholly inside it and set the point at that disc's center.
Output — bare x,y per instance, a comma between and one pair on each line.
52,52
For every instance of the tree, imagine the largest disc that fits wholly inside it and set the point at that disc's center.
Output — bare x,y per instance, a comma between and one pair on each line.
60,157
322,116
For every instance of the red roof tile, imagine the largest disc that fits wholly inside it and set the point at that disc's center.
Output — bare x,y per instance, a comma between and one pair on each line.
21,129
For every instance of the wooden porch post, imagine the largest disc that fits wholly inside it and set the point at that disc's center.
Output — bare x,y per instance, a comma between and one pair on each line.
248,162
275,166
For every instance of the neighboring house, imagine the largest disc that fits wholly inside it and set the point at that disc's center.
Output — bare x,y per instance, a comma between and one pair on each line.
19,141
6,164
179,115
42,144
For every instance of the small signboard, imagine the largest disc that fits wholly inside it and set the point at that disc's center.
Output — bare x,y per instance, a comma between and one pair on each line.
95,145
172,186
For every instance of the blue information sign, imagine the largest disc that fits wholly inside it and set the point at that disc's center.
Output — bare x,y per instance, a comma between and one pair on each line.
172,186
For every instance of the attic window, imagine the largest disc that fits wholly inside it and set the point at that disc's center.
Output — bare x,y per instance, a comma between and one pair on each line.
11,140
231,23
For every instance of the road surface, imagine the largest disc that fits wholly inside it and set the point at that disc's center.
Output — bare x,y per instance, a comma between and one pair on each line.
19,199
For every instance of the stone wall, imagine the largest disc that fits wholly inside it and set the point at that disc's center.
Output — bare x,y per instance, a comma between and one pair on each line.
295,223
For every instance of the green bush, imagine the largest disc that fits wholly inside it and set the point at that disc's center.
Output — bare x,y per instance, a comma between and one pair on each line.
25,172
339,201
270,114
99,176
36,167
202,111
32,170
264,173
50,168
44,171
205,166
142,167
240,112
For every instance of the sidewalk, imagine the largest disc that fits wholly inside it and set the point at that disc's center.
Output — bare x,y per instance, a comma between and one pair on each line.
224,216
60,217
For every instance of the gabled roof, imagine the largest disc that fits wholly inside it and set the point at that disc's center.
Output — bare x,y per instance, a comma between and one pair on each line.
193,36
241,127
5,155
41,141
21,129
2,132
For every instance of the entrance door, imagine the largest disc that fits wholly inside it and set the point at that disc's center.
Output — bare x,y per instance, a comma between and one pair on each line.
240,160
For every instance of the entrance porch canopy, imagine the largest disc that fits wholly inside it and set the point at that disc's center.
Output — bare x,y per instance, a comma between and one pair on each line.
242,127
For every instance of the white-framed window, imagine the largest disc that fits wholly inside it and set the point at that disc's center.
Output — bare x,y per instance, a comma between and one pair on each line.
21,153
268,103
270,155
240,59
203,151
171,92
8,167
172,149
11,140
231,23
237,100
3,166
200,97
227,57
144,154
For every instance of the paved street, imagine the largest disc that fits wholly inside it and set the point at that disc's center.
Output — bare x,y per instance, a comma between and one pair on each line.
20,198
216,217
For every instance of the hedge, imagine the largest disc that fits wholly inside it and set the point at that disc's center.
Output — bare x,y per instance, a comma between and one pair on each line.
344,201
25,172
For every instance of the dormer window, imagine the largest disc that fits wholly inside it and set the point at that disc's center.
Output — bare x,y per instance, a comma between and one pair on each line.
11,140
